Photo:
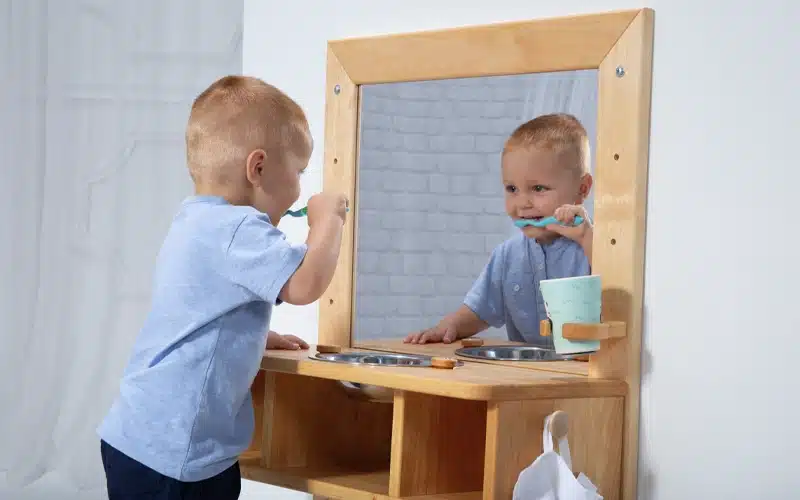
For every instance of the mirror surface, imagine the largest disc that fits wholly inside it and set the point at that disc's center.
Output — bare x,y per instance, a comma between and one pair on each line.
430,193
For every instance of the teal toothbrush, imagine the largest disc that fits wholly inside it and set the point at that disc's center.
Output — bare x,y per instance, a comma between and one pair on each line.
544,222
303,212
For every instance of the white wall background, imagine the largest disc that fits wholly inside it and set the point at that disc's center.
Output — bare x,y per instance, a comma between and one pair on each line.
94,91
719,404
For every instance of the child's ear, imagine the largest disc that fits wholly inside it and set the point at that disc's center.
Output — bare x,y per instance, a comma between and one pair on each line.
256,161
585,186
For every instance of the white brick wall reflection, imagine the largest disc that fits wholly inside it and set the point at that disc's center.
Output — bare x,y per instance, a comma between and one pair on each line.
430,199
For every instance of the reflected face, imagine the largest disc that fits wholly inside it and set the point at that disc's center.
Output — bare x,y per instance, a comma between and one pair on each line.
538,181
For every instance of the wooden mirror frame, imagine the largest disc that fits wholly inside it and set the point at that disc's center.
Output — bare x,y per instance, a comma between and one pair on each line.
619,45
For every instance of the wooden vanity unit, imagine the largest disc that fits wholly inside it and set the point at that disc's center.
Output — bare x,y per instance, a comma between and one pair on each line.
462,433
467,432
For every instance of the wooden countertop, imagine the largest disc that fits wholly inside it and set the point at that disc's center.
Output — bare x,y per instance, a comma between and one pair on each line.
474,380
448,350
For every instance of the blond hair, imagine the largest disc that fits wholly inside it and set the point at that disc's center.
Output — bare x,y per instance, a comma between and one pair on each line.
557,132
236,115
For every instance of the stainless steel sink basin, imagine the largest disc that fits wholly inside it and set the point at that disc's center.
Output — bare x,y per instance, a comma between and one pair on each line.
367,392
514,353
347,358
376,359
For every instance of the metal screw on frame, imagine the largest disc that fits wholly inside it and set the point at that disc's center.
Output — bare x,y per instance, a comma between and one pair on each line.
337,89
620,71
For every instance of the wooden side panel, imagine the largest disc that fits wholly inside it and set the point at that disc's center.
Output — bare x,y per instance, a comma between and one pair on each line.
620,210
514,441
257,393
339,174
437,445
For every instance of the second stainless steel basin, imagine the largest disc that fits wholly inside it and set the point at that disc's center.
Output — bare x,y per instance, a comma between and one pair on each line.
376,359
514,353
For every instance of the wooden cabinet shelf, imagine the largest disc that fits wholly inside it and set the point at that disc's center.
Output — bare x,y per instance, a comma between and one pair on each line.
462,434
336,484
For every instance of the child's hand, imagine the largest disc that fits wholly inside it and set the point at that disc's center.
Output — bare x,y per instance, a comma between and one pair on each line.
326,204
566,214
287,342
445,332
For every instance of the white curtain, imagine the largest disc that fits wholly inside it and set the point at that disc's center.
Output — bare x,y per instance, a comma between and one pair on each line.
94,98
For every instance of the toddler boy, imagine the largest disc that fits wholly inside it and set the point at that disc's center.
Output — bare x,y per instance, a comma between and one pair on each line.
545,168
184,411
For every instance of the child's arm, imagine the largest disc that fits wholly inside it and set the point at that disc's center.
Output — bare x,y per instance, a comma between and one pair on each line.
260,259
326,214
586,244
466,322
457,325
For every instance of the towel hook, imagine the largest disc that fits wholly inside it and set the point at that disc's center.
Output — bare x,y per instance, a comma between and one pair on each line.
559,426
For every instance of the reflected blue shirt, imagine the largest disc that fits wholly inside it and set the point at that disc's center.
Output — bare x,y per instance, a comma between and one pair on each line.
184,407
507,291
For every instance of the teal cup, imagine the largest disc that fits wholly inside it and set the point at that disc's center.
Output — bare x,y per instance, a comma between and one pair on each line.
572,300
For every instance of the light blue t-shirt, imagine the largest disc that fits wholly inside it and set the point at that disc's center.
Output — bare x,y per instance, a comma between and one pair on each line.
507,290
184,408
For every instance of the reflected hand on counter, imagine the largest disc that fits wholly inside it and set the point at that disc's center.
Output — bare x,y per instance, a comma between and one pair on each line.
458,325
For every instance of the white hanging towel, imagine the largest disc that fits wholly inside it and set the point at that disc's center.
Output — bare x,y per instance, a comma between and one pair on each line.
550,476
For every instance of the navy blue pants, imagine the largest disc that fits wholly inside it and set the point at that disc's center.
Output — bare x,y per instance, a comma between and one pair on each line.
127,479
